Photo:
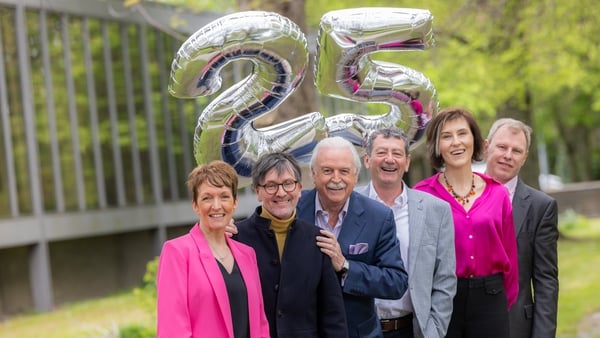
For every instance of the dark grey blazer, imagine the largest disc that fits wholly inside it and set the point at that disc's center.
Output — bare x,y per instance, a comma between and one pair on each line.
535,216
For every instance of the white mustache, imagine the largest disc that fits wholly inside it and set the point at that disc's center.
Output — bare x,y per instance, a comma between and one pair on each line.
336,186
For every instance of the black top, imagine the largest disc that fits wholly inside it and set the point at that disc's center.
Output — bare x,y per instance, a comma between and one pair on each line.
238,300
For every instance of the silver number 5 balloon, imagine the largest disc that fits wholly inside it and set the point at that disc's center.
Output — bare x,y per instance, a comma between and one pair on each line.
345,70
277,49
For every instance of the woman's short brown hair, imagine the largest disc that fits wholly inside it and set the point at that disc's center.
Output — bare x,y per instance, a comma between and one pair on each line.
217,173
435,127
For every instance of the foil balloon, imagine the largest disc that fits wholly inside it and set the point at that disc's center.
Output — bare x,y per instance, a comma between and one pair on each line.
345,70
277,50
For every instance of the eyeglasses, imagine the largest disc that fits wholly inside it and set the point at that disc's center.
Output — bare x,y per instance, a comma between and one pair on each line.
272,188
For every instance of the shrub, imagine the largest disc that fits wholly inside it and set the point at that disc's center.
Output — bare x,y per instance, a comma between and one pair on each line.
573,225
147,295
136,331
147,292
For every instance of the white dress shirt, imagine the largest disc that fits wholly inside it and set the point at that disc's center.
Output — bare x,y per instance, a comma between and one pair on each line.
512,186
322,217
394,308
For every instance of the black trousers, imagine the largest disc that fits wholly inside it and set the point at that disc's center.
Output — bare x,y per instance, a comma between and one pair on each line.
480,308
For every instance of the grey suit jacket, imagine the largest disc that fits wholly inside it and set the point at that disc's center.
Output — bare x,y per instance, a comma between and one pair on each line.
431,262
535,215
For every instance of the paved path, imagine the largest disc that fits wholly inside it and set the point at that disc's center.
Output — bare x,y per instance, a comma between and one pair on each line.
589,327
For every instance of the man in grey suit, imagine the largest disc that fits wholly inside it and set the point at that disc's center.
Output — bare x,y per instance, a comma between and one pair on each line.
535,215
358,234
425,230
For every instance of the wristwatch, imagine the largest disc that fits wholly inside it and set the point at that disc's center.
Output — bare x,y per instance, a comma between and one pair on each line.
344,270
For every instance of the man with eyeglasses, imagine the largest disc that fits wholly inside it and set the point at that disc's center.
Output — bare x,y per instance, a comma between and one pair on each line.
301,292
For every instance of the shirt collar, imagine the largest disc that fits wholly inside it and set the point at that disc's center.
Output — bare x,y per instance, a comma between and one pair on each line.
319,207
512,186
401,200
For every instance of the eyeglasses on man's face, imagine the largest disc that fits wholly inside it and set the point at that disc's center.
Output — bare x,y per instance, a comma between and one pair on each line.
272,188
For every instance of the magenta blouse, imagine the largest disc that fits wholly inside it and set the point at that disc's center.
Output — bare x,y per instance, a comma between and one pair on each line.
484,236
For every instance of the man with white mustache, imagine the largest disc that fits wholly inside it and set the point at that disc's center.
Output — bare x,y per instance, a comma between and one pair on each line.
358,234
426,233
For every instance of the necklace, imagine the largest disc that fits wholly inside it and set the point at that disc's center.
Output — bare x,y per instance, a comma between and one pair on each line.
220,258
461,199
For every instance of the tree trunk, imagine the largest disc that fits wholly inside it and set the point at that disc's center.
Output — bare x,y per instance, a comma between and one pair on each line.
523,111
576,139
303,100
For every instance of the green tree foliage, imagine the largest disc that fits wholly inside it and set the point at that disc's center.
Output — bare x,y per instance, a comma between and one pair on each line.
535,60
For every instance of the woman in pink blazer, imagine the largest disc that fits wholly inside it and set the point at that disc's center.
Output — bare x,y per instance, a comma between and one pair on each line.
208,285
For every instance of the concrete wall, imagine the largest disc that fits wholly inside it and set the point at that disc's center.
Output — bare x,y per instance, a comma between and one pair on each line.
583,198
98,266
15,293
81,268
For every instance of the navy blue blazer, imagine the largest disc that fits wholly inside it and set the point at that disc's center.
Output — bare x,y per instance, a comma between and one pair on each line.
376,268
301,292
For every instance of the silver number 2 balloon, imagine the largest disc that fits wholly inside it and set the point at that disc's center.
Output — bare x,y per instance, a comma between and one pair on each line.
277,50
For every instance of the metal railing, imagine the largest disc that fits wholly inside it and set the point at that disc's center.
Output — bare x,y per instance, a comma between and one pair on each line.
91,142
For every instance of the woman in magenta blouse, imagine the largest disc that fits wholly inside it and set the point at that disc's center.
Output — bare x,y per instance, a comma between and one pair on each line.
486,248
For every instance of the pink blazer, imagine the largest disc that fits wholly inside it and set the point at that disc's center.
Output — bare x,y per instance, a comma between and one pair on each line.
192,298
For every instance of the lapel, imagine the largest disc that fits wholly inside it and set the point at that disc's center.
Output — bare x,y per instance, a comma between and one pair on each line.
352,226
213,274
239,257
520,205
416,218
306,206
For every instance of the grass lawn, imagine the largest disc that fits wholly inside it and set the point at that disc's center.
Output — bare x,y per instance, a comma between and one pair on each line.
579,258
579,276
88,319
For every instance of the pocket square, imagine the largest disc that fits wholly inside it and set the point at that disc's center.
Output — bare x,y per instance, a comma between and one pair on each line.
358,248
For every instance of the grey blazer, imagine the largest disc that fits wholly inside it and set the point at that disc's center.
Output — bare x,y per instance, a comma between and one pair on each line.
535,216
431,262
